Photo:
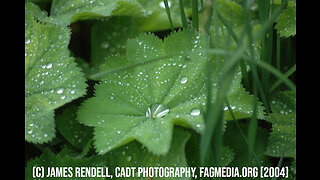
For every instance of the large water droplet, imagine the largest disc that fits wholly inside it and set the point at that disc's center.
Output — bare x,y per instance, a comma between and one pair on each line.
157,111
195,112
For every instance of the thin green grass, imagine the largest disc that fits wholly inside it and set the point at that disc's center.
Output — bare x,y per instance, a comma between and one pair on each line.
184,19
251,150
195,16
214,115
279,81
168,14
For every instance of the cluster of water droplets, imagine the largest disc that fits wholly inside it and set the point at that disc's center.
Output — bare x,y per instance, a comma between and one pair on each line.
283,107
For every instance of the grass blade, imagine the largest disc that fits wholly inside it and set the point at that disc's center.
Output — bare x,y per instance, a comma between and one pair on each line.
287,74
195,20
209,14
242,134
278,52
277,73
168,14
183,15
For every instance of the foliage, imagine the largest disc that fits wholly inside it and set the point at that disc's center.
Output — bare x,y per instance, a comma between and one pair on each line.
135,89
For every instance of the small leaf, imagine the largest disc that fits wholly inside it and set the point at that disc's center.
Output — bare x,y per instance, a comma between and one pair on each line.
232,12
286,23
282,140
129,8
109,37
235,140
157,19
136,155
77,134
51,76
193,153
70,11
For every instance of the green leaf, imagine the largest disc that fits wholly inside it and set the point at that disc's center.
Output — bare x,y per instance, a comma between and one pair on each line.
70,11
145,102
109,37
234,140
61,160
193,153
157,18
77,134
51,76
282,140
286,23
136,155
131,155
129,8
232,12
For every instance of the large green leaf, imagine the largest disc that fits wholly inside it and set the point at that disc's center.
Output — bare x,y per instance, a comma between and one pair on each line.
51,77
166,88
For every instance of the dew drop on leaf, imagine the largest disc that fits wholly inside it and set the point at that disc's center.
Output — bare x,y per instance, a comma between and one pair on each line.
27,41
49,66
195,112
183,80
157,111
60,91
129,158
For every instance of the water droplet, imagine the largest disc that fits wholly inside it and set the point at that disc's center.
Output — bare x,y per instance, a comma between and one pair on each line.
28,41
49,66
129,158
60,91
105,45
183,80
195,112
157,111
